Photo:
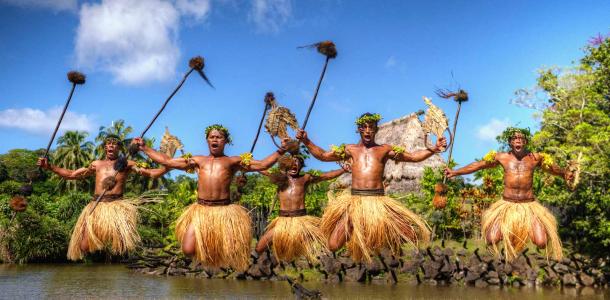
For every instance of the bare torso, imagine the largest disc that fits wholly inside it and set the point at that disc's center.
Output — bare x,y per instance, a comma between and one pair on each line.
368,165
104,169
215,175
518,175
292,197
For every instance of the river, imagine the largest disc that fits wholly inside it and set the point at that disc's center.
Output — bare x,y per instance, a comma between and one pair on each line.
92,281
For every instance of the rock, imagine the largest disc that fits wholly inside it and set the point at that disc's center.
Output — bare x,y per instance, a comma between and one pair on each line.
458,275
480,283
493,281
492,274
448,252
431,282
411,266
329,264
462,253
569,280
255,272
375,267
356,274
431,269
471,277
333,278
585,279
346,262
531,275
561,268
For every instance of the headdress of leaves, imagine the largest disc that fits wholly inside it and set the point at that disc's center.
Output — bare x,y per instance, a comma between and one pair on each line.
113,138
510,132
368,117
220,128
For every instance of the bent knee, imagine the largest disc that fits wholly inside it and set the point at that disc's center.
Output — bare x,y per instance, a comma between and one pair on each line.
189,250
334,245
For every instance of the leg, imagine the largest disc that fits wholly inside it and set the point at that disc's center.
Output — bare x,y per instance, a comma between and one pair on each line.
189,242
493,234
538,234
84,242
264,242
338,237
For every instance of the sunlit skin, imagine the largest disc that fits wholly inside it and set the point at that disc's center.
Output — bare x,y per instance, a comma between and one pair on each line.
102,169
368,161
215,172
519,165
292,194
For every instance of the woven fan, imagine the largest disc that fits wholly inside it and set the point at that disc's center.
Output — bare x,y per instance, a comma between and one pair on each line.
574,167
279,119
435,121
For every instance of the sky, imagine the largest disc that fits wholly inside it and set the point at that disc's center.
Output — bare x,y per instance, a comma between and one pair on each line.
391,54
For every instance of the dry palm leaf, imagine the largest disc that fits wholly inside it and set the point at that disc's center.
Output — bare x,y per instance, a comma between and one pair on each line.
574,168
170,144
279,119
435,121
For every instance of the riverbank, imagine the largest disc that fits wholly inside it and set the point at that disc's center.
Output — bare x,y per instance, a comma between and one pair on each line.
115,281
435,265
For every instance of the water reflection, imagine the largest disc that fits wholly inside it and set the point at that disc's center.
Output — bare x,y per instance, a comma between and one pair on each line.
115,281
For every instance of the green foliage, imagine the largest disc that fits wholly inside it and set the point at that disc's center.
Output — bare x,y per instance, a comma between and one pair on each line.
73,152
21,164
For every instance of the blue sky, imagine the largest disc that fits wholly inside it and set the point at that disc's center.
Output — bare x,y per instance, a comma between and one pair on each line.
391,54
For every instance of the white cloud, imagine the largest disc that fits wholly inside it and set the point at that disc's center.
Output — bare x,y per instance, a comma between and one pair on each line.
491,130
198,9
135,40
270,15
43,122
56,5
391,62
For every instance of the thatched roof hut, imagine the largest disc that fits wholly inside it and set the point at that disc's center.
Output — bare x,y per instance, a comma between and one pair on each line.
401,177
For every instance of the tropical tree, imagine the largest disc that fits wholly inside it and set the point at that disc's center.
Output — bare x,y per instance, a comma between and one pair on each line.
574,106
73,152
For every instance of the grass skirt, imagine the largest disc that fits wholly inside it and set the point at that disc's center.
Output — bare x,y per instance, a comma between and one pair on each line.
112,224
222,234
516,226
373,223
297,236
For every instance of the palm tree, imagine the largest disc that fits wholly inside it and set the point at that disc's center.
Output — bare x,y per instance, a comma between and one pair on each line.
118,128
73,152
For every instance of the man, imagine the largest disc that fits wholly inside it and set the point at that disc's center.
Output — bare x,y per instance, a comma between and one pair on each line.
365,218
214,231
294,233
518,217
113,221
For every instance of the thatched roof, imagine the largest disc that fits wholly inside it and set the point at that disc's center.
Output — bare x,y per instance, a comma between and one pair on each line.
401,177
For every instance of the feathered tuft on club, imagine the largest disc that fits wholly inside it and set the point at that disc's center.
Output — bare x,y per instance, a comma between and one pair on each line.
439,201
196,63
108,183
269,99
459,96
76,77
18,203
326,48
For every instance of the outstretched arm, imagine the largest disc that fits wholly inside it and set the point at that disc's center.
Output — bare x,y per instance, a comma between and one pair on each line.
65,173
473,167
158,157
327,175
152,173
316,151
547,165
398,153
266,163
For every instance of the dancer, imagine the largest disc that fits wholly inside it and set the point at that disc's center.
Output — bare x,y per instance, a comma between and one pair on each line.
214,231
294,233
365,219
113,222
518,217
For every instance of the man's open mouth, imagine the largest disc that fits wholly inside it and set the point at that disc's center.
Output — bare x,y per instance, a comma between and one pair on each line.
214,145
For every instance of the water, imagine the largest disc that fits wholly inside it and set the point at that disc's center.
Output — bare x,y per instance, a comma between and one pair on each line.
115,281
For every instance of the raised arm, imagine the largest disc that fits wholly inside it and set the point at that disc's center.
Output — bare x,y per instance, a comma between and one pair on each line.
398,153
161,158
316,151
65,173
327,175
